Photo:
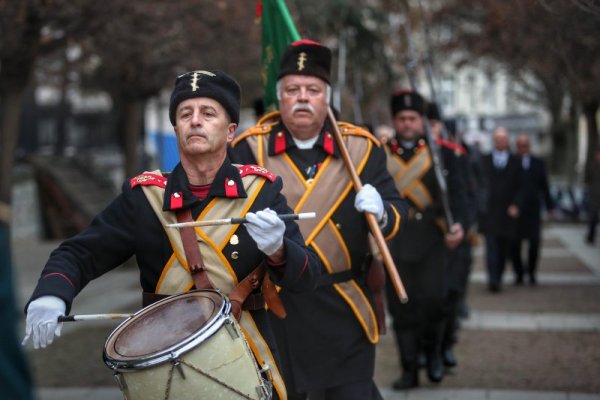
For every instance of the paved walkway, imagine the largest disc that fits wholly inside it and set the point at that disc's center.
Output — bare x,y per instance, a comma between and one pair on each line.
570,235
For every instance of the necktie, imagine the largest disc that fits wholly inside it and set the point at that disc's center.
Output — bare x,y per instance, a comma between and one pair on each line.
525,163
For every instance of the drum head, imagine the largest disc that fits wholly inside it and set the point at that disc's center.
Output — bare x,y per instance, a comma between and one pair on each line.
164,326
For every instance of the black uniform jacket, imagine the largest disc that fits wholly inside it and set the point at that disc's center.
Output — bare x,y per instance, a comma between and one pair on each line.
129,226
325,345
424,230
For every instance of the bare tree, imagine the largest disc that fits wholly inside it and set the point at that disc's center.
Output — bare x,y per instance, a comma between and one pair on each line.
28,29
555,41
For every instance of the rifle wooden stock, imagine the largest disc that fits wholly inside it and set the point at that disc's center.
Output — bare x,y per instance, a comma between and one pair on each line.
372,221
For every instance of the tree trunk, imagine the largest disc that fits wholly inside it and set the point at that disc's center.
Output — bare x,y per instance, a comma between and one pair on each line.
570,155
9,134
132,128
63,109
554,97
590,111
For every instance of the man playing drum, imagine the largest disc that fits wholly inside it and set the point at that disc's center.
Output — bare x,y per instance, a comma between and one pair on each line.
204,110
328,338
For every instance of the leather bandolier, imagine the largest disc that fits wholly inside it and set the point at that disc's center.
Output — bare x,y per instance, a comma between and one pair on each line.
407,175
323,196
178,278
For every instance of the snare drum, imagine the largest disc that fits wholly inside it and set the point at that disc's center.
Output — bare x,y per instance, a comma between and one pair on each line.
186,346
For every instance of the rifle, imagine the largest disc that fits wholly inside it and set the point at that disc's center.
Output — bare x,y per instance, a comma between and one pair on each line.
428,63
438,167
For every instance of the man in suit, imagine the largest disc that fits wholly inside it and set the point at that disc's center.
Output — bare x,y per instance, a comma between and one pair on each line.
534,184
498,220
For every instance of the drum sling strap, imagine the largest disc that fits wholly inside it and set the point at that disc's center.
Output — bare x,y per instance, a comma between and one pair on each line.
177,277
321,233
192,252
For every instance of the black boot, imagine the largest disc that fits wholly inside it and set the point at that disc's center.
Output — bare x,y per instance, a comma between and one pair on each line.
448,357
421,360
435,368
408,380
407,345
435,365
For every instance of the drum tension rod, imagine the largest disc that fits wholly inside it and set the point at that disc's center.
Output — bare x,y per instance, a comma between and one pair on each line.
177,365
120,381
231,329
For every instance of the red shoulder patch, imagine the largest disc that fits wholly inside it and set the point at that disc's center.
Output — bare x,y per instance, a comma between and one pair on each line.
251,169
148,179
450,145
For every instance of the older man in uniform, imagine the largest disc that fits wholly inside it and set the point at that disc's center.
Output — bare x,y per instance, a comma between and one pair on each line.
204,110
419,249
328,338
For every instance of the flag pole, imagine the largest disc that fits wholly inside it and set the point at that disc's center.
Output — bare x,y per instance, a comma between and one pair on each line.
287,19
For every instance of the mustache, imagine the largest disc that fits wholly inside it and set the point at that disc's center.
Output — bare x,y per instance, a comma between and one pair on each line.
196,133
303,107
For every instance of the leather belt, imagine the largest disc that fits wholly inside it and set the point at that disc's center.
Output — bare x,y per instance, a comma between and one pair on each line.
338,277
254,301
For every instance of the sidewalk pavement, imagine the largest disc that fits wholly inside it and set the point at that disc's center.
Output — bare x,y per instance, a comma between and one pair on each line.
418,394
29,260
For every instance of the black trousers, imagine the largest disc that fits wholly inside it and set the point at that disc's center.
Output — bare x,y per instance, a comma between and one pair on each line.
533,252
496,252
420,321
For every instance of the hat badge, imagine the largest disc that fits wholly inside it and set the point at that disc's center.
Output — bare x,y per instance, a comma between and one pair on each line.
407,100
196,77
301,60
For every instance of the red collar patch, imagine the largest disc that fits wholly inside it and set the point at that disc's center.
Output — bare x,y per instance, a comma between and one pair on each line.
328,143
280,142
231,190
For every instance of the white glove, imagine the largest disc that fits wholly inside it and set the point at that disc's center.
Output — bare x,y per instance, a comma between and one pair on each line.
266,229
369,200
42,320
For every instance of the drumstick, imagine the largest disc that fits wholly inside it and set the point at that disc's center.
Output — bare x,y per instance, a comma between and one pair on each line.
91,317
232,221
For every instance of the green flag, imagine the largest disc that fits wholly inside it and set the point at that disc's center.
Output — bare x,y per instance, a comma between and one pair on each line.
278,30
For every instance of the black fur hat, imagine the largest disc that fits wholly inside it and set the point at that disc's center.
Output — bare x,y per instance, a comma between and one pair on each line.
306,57
407,99
213,84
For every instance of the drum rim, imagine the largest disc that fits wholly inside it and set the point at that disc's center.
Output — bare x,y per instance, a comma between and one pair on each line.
223,315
